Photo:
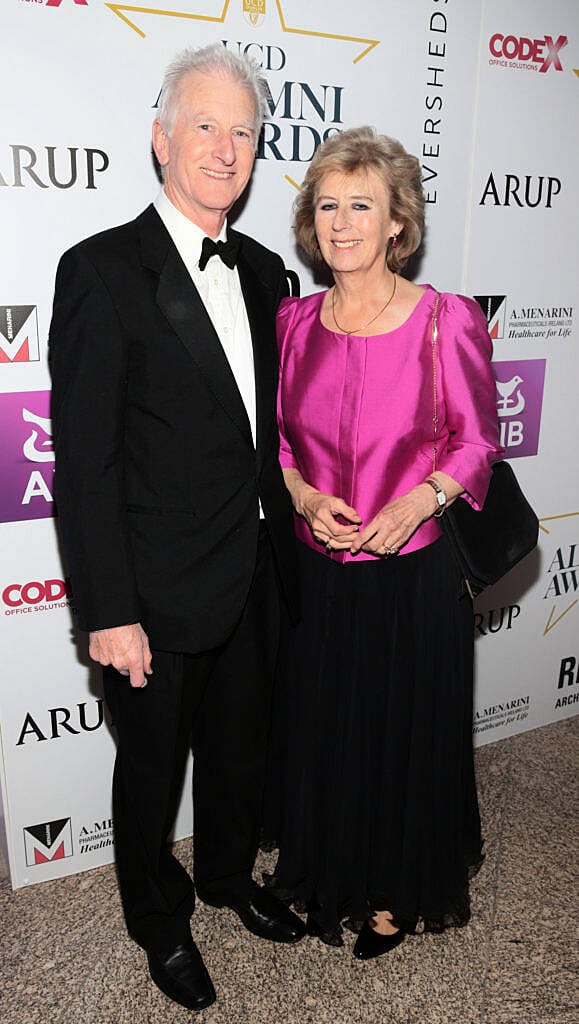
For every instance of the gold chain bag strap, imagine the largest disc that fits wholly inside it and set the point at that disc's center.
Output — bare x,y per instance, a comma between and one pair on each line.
485,544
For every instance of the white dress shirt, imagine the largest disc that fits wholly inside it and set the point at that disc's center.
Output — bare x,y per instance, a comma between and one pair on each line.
220,291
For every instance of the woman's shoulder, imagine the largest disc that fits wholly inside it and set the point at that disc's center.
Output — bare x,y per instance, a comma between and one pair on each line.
292,308
459,307
454,302
299,303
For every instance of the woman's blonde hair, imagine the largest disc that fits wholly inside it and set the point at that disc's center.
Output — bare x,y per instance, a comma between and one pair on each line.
363,149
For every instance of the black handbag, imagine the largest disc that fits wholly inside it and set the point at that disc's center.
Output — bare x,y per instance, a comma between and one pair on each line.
486,544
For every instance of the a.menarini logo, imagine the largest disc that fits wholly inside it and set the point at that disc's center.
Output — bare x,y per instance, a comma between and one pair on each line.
494,308
540,318
48,841
18,334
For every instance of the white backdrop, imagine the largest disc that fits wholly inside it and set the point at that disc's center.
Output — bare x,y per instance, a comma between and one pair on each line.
486,94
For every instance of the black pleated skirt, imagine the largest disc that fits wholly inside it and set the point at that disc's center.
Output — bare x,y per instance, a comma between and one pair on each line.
372,795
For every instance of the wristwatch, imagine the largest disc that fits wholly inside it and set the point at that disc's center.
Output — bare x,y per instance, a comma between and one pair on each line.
440,496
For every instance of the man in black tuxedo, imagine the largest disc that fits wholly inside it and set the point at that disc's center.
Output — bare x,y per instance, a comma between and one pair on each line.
173,512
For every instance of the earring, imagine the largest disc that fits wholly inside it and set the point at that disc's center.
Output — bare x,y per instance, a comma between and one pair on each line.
394,241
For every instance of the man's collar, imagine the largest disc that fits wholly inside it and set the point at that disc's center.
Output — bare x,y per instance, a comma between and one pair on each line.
185,233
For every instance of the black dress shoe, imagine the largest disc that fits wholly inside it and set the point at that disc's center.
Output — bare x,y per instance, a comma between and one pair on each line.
261,913
332,938
371,943
270,883
182,975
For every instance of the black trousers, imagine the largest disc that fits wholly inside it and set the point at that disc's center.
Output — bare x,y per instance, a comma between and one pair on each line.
218,701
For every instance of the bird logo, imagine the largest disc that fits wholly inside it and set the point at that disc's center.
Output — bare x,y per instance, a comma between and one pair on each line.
510,400
36,448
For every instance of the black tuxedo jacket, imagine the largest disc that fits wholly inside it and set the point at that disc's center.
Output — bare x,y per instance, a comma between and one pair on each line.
157,478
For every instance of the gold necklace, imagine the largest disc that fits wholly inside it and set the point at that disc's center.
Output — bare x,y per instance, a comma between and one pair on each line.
364,326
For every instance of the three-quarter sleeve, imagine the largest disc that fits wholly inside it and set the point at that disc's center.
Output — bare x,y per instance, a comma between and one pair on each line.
469,394
284,320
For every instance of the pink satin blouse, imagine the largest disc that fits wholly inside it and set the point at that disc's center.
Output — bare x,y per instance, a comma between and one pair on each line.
356,414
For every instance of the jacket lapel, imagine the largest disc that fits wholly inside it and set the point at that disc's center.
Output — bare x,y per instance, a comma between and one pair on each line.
263,342
181,304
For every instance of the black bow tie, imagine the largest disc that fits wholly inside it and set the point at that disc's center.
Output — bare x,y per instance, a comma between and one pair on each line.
227,251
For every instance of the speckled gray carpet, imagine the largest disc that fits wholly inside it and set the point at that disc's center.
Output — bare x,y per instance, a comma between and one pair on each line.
65,957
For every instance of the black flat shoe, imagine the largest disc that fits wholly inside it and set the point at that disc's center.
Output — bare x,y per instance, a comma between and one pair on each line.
182,976
261,913
370,943
330,938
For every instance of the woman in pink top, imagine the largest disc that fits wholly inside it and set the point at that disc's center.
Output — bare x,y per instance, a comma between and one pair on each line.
378,818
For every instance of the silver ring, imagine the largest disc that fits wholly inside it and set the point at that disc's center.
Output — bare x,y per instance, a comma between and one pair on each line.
391,551
329,547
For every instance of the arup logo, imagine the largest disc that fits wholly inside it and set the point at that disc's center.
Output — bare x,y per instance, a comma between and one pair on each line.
26,456
529,191
57,722
18,334
519,403
63,168
51,840
494,307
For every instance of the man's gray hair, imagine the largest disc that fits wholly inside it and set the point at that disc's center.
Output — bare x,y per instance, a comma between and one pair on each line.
209,59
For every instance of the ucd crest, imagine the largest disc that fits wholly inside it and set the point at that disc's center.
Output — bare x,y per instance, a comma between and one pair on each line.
254,11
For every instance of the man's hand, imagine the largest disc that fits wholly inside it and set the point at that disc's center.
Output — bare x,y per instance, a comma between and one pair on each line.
126,648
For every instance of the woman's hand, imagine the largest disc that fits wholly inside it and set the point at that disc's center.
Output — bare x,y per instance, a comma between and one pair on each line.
394,524
321,512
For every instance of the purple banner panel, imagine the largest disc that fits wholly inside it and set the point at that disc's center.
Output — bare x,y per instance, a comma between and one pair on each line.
26,456
520,384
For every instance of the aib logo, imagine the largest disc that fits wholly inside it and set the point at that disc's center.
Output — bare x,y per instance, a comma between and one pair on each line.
26,457
51,840
520,386
57,3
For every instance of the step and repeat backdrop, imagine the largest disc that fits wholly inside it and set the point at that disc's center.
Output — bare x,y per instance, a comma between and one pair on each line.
486,94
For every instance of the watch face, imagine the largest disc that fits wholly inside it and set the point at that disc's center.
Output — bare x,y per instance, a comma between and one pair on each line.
441,498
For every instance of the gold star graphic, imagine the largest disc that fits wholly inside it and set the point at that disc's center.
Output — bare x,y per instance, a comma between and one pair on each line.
123,10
